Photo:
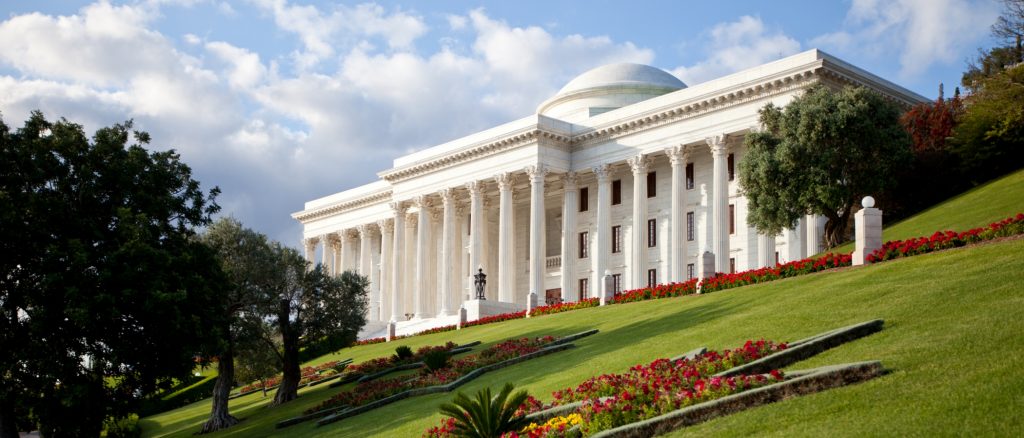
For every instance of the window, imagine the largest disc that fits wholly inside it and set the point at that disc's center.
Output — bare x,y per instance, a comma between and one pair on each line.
732,167
732,219
469,224
617,238
652,233
584,245
584,288
689,270
616,283
584,199
617,192
652,186
776,258
689,226
732,265
689,176
652,277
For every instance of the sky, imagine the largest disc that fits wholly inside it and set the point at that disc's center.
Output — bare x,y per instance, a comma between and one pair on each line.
279,102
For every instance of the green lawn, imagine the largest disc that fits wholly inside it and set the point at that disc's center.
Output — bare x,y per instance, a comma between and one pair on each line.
987,203
952,340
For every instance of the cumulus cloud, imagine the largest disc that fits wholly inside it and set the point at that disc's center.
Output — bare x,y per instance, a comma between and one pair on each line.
737,45
918,32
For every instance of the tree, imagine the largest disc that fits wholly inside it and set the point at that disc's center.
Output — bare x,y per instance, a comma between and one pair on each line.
257,360
989,138
312,307
1009,27
819,155
253,271
104,295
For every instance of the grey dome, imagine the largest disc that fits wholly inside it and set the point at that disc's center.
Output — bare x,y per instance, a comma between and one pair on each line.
606,88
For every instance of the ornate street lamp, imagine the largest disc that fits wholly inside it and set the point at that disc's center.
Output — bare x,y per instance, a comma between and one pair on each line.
480,281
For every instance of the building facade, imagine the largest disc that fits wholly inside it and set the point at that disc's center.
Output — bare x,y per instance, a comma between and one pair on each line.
626,171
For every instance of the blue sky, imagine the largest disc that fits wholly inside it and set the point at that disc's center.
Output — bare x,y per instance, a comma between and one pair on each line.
279,102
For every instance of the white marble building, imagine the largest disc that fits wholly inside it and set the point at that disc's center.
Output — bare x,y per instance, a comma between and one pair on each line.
626,169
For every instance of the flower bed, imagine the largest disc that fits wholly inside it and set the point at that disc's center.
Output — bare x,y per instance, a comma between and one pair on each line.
308,375
644,391
947,239
379,389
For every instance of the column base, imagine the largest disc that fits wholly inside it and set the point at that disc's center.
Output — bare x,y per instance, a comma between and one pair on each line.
476,309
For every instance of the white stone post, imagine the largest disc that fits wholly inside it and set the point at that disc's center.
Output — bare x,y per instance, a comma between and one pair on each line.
397,257
720,205
531,303
537,240
639,165
390,330
506,256
867,230
476,217
463,317
387,228
447,231
607,285
422,254
570,203
707,260
602,229
678,156
813,235
766,251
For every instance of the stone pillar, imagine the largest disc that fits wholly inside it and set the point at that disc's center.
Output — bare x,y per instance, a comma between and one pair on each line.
506,255
537,235
678,156
387,229
422,253
447,236
366,266
720,205
607,286
766,251
409,288
397,256
336,250
348,252
813,235
570,205
310,246
601,247
867,229
639,165
476,221
795,242
325,252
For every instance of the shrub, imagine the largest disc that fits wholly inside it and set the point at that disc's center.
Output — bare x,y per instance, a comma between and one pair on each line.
435,360
127,427
486,416
403,352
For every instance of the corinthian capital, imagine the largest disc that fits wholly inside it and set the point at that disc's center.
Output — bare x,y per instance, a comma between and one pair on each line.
639,164
505,180
570,179
718,144
678,155
537,173
603,172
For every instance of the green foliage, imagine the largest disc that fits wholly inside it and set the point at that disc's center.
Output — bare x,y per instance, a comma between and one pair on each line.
485,416
104,295
403,352
126,427
257,359
435,360
177,397
821,154
990,137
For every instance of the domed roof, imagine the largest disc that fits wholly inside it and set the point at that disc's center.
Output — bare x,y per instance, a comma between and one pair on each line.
622,74
607,88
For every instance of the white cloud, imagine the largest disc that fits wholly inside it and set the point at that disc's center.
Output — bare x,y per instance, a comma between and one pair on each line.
246,69
919,32
735,46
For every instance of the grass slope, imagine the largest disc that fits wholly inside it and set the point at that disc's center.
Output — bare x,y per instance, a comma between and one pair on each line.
952,340
980,206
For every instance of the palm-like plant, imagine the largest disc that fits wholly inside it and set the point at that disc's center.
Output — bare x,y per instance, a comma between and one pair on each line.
485,416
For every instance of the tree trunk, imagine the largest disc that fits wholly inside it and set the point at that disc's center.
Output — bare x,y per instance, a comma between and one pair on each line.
220,418
835,228
8,421
291,374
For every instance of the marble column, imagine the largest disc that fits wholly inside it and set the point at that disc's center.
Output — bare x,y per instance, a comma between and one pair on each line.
387,229
638,262
325,251
398,208
336,250
447,236
506,256
720,204
310,246
766,251
476,220
601,247
538,257
365,266
813,235
411,243
678,156
349,256
570,205
421,286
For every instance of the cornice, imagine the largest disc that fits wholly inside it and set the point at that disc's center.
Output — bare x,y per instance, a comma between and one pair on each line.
340,207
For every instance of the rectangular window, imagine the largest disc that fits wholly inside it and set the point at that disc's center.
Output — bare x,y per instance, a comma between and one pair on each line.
652,277
689,176
652,186
689,270
652,233
584,288
617,192
617,238
776,258
584,245
584,199
617,284
689,226
732,219
732,167
732,265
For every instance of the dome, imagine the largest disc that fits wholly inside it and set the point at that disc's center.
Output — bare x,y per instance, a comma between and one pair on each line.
609,87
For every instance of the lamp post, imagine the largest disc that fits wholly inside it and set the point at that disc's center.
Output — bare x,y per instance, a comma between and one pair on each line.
480,280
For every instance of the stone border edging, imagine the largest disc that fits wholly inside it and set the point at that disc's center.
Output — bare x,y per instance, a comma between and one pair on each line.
307,384
806,348
691,355
808,382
